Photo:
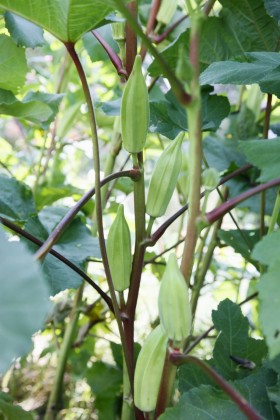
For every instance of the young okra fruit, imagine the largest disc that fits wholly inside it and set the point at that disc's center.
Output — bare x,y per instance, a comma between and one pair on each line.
166,11
173,302
119,251
149,369
164,178
135,111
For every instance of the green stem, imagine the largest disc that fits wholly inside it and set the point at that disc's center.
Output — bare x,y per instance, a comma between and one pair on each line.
195,156
265,136
55,399
275,213
80,70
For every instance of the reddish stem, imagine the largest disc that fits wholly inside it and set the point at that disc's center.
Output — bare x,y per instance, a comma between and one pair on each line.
244,406
115,59
224,208
151,24
131,39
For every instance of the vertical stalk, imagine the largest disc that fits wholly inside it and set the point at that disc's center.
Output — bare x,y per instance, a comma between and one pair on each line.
195,136
96,161
131,38
265,136
166,385
55,399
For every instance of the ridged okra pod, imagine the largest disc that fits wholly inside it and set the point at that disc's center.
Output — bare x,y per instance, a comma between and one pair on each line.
149,368
174,305
119,251
164,178
135,112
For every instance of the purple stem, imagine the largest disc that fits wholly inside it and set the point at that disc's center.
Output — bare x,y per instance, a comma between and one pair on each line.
115,59
224,208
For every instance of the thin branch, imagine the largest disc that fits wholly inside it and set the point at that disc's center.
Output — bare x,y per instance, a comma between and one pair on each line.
224,208
151,23
157,39
244,406
60,257
67,219
115,59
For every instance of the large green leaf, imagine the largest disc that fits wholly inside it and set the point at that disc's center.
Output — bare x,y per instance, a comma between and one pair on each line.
23,32
208,403
12,63
267,252
8,410
242,241
265,155
169,118
16,199
258,67
272,8
105,381
23,300
28,109
242,26
76,244
68,20
234,340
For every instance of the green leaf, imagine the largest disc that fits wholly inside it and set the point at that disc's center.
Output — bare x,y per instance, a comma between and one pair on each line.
105,381
11,411
265,155
192,376
67,20
51,100
272,8
242,241
28,109
23,300
242,26
48,195
76,244
168,117
233,340
209,403
16,199
267,252
13,64
258,67
23,32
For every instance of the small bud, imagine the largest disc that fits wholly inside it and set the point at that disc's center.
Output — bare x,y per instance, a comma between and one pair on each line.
210,179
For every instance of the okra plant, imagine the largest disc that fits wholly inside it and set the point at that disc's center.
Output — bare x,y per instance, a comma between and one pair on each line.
139,209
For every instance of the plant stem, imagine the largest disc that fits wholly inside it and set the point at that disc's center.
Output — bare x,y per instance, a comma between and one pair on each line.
131,38
175,83
127,403
166,385
243,404
56,393
67,219
151,23
115,59
265,136
224,208
275,213
139,249
195,154
80,70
